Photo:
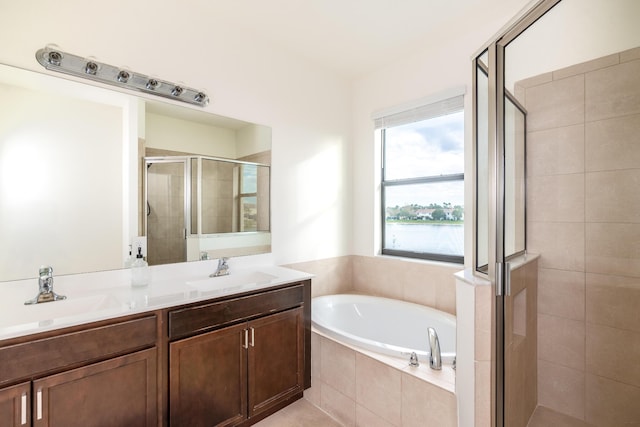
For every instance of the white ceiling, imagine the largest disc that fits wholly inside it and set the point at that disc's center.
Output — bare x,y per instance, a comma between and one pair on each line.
354,36
350,37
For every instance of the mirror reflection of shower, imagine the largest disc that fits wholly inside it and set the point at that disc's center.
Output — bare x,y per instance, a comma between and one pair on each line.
194,201
166,211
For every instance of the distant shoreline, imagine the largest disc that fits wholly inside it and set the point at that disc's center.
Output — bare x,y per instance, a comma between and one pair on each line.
423,221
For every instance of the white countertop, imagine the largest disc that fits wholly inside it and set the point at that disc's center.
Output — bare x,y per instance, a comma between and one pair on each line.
107,295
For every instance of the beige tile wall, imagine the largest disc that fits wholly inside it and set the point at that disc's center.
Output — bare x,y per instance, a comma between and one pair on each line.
583,168
484,299
165,223
332,275
521,340
218,197
426,283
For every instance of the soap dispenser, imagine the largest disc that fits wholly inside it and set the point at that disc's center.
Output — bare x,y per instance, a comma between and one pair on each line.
128,262
139,270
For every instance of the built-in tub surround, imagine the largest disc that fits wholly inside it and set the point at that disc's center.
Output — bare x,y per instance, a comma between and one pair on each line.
384,325
360,350
360,387
583,218
364,388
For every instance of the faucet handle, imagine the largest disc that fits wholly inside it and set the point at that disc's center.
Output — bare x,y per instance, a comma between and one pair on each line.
46,279
45,272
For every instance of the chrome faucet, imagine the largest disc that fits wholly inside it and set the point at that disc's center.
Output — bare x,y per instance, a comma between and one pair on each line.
435,358
45,287
223,268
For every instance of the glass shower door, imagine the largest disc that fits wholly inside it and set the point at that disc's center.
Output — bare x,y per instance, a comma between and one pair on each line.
166,207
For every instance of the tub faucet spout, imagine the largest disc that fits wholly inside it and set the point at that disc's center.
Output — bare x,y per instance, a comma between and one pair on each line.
435,358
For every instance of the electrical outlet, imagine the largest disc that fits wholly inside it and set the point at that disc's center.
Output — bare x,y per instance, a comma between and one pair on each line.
139,242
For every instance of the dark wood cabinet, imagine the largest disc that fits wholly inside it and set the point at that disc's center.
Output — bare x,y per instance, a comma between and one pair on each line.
224,361
15,405
276,360
117,392
103,374
238,374
207,380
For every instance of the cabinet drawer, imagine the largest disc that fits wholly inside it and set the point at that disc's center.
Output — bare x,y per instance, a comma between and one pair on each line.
210,316
33,358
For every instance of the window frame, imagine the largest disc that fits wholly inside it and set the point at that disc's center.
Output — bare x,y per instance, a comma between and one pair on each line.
243,196
429,179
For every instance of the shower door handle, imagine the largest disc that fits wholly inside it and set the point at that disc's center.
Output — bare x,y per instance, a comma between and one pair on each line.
503,279
507,279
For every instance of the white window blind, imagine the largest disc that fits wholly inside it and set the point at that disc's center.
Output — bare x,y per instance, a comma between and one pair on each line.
439,105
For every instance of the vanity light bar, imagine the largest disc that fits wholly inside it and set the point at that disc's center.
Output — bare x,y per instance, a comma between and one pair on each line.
56,60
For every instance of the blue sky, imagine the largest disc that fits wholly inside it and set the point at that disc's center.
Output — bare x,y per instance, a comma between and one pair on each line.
428,148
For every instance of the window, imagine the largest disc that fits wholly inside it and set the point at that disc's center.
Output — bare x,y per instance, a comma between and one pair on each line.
423,181
248,197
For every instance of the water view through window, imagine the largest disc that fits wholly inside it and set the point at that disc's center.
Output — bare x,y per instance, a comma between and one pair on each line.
423,188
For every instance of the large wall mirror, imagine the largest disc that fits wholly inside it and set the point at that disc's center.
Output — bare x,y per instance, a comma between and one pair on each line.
79,165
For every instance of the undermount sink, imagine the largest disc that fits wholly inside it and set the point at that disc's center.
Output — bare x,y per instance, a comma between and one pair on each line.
58,309
232,281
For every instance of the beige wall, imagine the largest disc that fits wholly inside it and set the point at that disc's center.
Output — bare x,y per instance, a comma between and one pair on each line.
170,133
583,167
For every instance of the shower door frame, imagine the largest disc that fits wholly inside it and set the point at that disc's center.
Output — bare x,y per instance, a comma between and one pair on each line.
498,269
149,161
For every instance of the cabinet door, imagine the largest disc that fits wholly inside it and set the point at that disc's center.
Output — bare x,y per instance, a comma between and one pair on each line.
15,405
207,379
118,392
276,359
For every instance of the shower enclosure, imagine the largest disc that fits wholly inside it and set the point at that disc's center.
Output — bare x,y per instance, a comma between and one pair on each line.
557,113
193,201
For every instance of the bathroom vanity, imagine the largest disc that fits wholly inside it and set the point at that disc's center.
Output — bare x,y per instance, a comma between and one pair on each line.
202,352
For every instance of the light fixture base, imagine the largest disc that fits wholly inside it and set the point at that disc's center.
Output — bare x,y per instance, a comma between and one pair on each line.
67,63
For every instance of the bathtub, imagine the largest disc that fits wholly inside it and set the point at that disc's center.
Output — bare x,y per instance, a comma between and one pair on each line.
384,325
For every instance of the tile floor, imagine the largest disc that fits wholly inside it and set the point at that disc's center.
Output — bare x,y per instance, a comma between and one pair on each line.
544,417
303,414
300,413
